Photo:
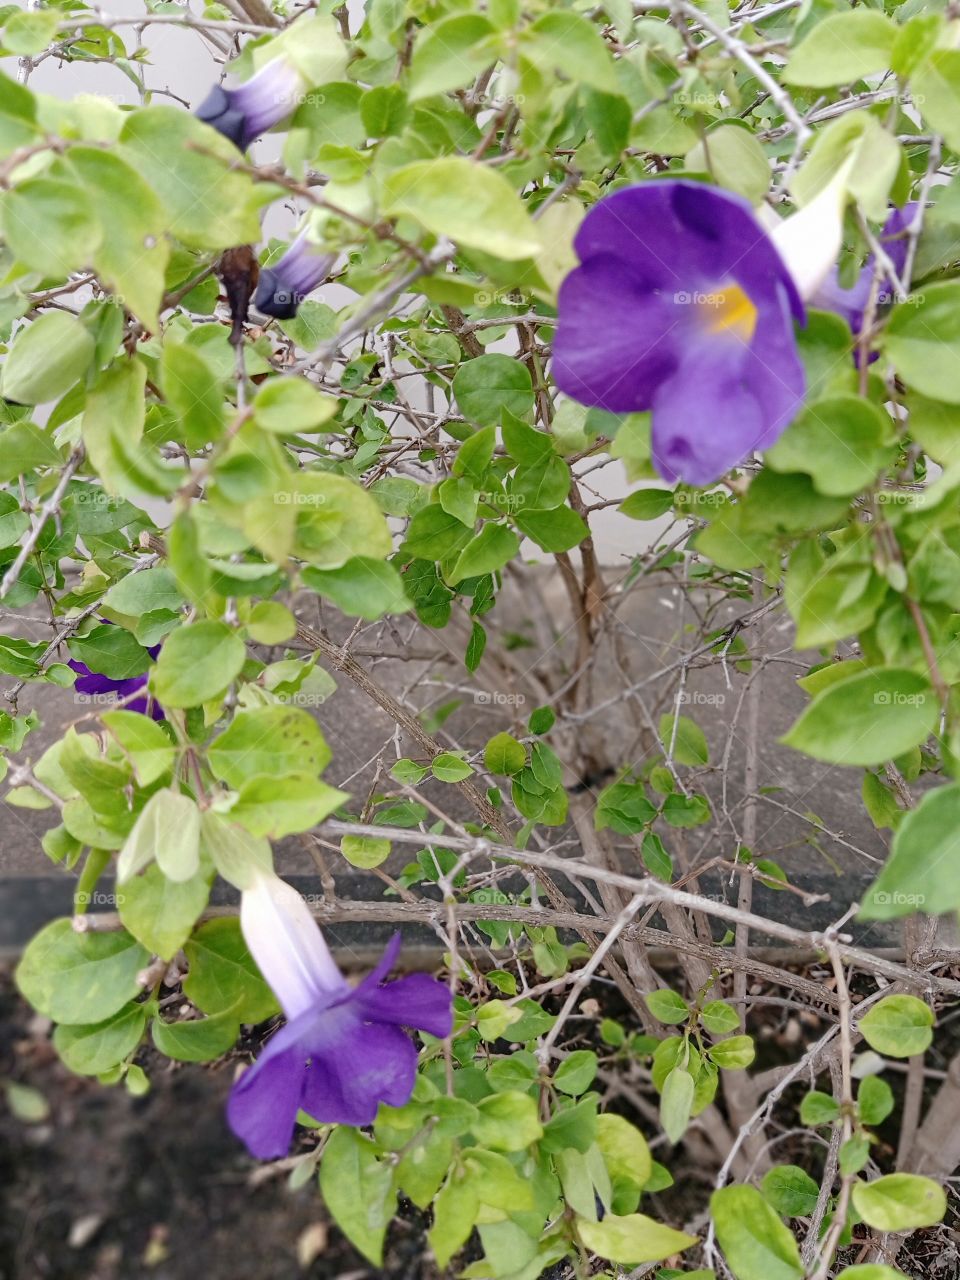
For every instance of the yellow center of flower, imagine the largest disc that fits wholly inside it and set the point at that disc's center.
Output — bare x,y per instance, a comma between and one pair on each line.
729,311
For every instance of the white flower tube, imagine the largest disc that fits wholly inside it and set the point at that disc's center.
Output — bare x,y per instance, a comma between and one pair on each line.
809,241
287,944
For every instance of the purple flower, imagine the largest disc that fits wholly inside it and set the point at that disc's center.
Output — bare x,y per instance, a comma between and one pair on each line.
284,286
342,1051
682,305
850,303
244,114
93,683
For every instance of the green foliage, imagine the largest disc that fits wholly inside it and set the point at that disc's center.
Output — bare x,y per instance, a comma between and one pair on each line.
393,457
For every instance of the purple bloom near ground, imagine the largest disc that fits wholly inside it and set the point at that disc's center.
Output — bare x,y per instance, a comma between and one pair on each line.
342,1051
284,286
91,683
683,306
850,303
243,114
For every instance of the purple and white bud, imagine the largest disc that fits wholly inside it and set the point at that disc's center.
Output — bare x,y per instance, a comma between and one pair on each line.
284,286
287,944
245,113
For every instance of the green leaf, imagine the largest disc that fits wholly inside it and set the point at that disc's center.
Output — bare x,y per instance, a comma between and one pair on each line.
78,978
365,851
842,47
504,754
223,975
507,1121
841,442
47,358
923,339
28,1105
870,718
493,547
450,54
278,806
676,1103
97,1047
208,202
358,1191
632,1239
160,912
646,504
870,1271
495,1017
561,529
192,389
900,1202
719,1017
450,768
733,1054
236,854
689,744
921,872
667,1006
133,252
50,225
935,87
624,807
168,830
576,1073
898,1026
735,160
287,406
197,664
487,385
29,31
625,1150
818,1108
268,741
150,591
568,43
875,1100
198,1039
755,1242
473,205
361,588
790,1190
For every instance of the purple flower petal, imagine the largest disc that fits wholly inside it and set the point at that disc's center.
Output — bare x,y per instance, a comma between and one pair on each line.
349,1076
614,356
284,286
263,1104
417,1001
344,1053
682,304
243,114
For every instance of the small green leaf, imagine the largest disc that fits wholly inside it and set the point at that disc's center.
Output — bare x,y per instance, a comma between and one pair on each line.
755,1242
197,664
197,1039
633,1239
47,358
898,1026
472,204
900,1202
667,1006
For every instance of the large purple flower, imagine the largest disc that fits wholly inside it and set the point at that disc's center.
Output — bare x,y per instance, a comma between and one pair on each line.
342,1051
682,305
850,303
94,684
284,286
243,114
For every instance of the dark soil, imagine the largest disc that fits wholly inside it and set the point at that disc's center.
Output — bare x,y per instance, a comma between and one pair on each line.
111,1187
